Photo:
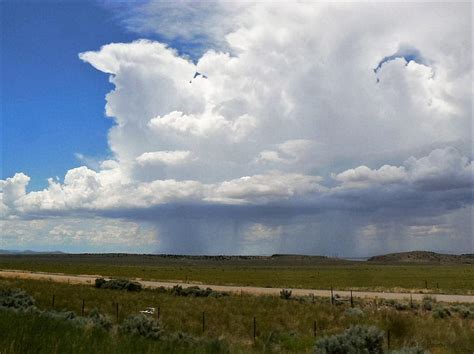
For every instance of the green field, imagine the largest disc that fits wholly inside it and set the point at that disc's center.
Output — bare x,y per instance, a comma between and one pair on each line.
282,325
317,273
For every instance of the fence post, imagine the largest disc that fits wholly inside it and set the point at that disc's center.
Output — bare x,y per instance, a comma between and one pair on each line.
411,301
52,304
254,328
158,313
117,311
82,308
352,300
426,284
332,296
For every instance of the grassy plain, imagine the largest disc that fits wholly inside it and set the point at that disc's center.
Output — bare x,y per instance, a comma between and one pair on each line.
290,272
282,325
29,333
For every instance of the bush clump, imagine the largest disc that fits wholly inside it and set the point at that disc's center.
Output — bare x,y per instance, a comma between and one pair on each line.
118,284
356,339
161,290
338,300
353,312
99,282
441,312
141,325
16,299
195,291
100,320
427,303
285,294
60,315
463,311
400,306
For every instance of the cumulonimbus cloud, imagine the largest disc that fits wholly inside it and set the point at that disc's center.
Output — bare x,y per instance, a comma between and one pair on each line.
289,112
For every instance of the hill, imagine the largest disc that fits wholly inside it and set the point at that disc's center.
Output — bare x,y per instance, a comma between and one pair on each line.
422,257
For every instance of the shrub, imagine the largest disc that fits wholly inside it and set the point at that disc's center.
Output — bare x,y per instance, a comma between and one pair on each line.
285,294
176,290
353,312
427,303
356,339
100,320
60,315
118,284
141,325
401,306
338,300
441,312
214,293
389,302
463,311
195,291
161,290
179,336
397,305
17,299
99,282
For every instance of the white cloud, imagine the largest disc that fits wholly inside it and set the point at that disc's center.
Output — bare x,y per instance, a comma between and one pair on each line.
290,151
164,157
429,230
362,175
442,168
203,125
13,188
282,92
74,234
296,148
265,188
269,156
203,23
259,232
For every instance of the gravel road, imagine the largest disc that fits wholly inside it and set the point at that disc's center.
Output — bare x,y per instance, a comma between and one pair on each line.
89,279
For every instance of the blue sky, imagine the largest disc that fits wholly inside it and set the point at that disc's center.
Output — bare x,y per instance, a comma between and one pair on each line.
53,103
336,128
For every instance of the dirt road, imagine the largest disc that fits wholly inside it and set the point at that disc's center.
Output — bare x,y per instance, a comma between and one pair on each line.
89,279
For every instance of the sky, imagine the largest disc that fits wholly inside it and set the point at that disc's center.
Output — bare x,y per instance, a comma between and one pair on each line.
340,129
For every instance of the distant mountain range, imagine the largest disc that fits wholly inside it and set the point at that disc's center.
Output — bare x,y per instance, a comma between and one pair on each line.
402,257
29,252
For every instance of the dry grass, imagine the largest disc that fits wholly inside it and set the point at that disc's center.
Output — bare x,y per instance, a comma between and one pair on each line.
282,325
